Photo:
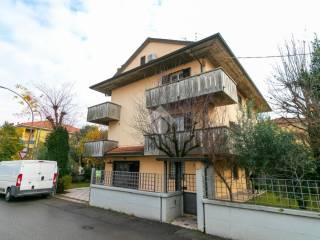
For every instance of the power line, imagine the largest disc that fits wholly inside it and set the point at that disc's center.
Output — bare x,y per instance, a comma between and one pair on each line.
270,56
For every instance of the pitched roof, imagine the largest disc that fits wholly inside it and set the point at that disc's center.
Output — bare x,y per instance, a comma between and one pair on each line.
127,150
283,120
182,55
47,125
148,40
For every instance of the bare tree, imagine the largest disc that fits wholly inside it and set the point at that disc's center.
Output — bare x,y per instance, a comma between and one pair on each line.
217,145
295,89
57,104
172,128
201,131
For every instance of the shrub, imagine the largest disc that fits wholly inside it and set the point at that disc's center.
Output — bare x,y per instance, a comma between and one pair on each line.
64,182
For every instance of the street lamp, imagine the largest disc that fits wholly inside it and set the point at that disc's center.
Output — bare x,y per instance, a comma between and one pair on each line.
32,114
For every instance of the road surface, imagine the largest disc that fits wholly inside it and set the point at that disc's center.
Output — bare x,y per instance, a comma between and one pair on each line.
55,219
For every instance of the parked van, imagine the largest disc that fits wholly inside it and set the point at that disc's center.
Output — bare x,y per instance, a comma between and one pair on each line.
27,177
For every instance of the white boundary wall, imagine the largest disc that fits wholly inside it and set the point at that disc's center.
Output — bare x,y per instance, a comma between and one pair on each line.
251,222
163,207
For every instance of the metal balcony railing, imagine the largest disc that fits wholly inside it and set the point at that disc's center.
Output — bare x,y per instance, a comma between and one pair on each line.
215,82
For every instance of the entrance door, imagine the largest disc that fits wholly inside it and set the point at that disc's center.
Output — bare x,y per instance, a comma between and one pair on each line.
126,174
189,194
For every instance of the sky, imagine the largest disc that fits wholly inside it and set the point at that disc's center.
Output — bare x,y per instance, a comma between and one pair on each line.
83,42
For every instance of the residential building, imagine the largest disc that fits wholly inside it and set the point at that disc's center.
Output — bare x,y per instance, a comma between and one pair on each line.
208,66
35,133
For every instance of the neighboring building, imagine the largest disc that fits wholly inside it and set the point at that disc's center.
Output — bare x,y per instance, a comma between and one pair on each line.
288,123
209,60
293,125
38,132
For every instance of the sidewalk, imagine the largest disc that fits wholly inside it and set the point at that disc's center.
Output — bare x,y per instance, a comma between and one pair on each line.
80,195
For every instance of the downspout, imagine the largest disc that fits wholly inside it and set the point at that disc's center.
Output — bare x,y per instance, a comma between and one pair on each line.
198,60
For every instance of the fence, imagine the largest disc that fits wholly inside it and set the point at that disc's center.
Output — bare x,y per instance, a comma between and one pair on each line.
285,193
149,182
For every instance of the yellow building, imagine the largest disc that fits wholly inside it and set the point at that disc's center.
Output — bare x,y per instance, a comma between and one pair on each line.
208,65
34,134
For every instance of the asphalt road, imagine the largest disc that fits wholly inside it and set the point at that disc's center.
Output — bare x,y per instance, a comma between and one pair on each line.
54,219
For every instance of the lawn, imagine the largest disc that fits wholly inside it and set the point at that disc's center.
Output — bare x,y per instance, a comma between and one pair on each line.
79,185
275,200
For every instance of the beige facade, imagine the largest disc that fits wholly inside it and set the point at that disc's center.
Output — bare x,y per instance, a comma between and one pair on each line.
128,96
158,48
128,88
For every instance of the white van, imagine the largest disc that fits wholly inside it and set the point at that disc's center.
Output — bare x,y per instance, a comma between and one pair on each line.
27,177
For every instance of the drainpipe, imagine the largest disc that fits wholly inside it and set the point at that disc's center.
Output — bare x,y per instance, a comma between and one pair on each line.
199,61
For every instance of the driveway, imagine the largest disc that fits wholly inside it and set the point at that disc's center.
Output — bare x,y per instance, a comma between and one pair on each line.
80,195
56,219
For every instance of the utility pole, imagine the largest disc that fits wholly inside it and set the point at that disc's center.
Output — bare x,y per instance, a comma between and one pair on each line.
32,113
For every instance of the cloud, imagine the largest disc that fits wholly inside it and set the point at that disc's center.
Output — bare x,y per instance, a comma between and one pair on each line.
84,42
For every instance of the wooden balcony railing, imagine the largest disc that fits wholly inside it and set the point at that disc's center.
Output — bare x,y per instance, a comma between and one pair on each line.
104,113
215,82
98,148
217,136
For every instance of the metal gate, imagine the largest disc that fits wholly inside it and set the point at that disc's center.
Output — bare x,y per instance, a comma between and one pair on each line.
189,194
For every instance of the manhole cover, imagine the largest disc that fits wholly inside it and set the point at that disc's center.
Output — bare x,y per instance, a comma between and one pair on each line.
87,227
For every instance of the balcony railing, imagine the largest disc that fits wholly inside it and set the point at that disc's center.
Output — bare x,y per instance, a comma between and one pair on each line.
98,148
218,137
104,113
215,82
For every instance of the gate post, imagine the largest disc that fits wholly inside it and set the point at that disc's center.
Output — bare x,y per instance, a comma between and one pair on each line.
200,194
93,176
165,176
210,183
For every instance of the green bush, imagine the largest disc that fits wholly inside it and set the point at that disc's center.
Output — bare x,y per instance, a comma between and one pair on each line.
64,182
57,145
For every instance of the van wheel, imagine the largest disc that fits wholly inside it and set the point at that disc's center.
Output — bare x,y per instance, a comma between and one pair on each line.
8,196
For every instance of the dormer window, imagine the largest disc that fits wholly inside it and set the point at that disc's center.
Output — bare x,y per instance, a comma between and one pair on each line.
143,60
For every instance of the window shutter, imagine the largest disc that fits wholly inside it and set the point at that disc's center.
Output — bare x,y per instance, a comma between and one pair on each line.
143,60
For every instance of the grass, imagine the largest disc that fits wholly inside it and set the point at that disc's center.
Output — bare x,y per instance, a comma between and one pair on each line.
79,185
275,200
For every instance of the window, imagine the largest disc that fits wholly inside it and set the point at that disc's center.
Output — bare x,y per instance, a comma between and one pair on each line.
235,172
172,170
188,121
176,76
179,123
176,169
183,122
143,60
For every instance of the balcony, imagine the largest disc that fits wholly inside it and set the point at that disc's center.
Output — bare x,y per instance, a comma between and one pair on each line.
98,148
218,136
215,82
104,113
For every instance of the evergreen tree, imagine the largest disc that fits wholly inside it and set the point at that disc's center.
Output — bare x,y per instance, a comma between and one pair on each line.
57,145
10,143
